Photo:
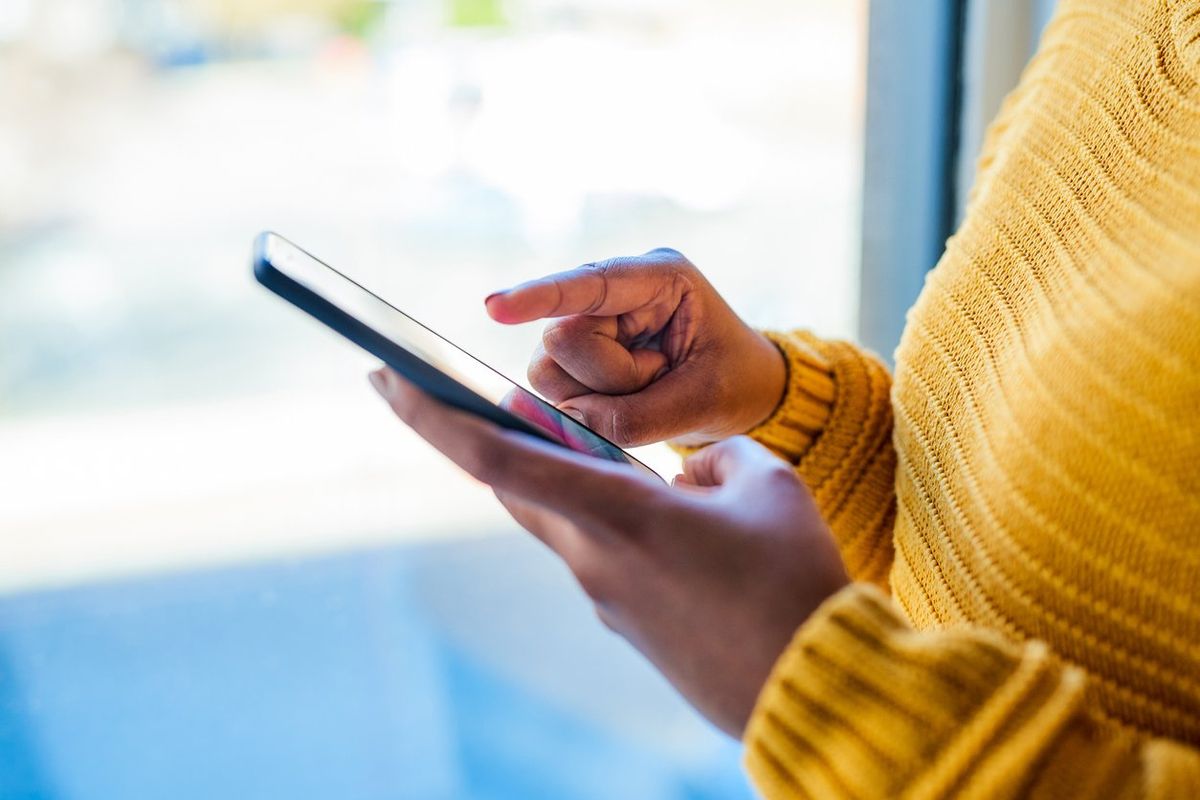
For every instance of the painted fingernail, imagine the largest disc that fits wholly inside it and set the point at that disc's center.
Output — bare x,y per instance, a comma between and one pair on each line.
573,413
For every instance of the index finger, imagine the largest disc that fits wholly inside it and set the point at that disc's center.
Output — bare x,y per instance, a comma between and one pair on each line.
605,288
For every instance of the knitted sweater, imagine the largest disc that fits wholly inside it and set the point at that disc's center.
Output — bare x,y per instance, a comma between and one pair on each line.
1019,507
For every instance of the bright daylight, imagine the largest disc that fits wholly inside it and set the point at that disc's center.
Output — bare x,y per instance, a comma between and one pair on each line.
599,399
226,569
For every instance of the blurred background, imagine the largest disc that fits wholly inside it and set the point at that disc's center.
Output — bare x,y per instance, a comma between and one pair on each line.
225,570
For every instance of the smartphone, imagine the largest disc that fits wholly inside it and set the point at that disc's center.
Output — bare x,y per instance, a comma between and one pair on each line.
416,352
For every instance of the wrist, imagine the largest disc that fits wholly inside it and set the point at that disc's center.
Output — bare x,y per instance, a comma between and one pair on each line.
767,384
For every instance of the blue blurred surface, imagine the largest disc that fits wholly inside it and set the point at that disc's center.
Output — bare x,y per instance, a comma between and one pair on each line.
464,670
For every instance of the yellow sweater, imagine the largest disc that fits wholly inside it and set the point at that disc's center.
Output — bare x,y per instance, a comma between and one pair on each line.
1027,488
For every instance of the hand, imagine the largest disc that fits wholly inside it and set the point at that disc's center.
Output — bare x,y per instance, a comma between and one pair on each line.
708,578
644,349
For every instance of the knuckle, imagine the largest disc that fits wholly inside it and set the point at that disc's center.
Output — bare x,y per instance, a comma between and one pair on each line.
563,334
669,252
551,335
600,273
607,266
779,469
781,474
679,264
542,372
555,341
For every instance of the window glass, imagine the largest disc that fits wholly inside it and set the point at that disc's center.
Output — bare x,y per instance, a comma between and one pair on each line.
225,570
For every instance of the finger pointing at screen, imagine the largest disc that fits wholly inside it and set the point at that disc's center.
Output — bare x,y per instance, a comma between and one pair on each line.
643,349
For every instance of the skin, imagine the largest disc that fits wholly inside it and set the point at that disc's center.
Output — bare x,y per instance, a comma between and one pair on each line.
643,349
709,577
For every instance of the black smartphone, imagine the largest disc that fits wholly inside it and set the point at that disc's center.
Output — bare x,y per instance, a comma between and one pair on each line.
429,360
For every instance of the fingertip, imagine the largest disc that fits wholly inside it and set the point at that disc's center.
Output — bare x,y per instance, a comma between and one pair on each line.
502,308
494,303
399,393
386,382
378,382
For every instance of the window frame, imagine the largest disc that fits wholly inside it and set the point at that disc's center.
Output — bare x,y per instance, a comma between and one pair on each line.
914,57
937,73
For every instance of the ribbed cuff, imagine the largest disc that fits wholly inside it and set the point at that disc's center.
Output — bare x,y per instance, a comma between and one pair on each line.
799,419
861,705
803,412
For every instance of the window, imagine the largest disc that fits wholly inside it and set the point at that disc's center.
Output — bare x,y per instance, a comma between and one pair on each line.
226,570
937,74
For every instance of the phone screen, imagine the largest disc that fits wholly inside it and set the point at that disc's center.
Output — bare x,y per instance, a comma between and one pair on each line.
386,320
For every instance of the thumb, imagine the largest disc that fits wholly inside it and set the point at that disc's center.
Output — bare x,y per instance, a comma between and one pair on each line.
671,406
734,461
622,419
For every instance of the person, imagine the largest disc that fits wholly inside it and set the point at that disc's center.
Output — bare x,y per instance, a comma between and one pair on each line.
977,577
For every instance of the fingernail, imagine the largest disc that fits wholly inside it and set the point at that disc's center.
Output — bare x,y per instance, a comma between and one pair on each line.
379,381
573,413
489,298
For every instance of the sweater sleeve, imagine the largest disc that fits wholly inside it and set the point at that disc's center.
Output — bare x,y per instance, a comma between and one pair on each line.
861,705
834,424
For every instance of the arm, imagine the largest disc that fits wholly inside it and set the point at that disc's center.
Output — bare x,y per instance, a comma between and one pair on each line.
862,705
859,704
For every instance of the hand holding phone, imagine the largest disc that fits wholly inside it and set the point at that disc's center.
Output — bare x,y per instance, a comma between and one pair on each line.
734,551
666,566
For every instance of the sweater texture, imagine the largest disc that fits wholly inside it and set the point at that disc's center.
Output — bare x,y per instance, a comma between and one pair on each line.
1019,507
